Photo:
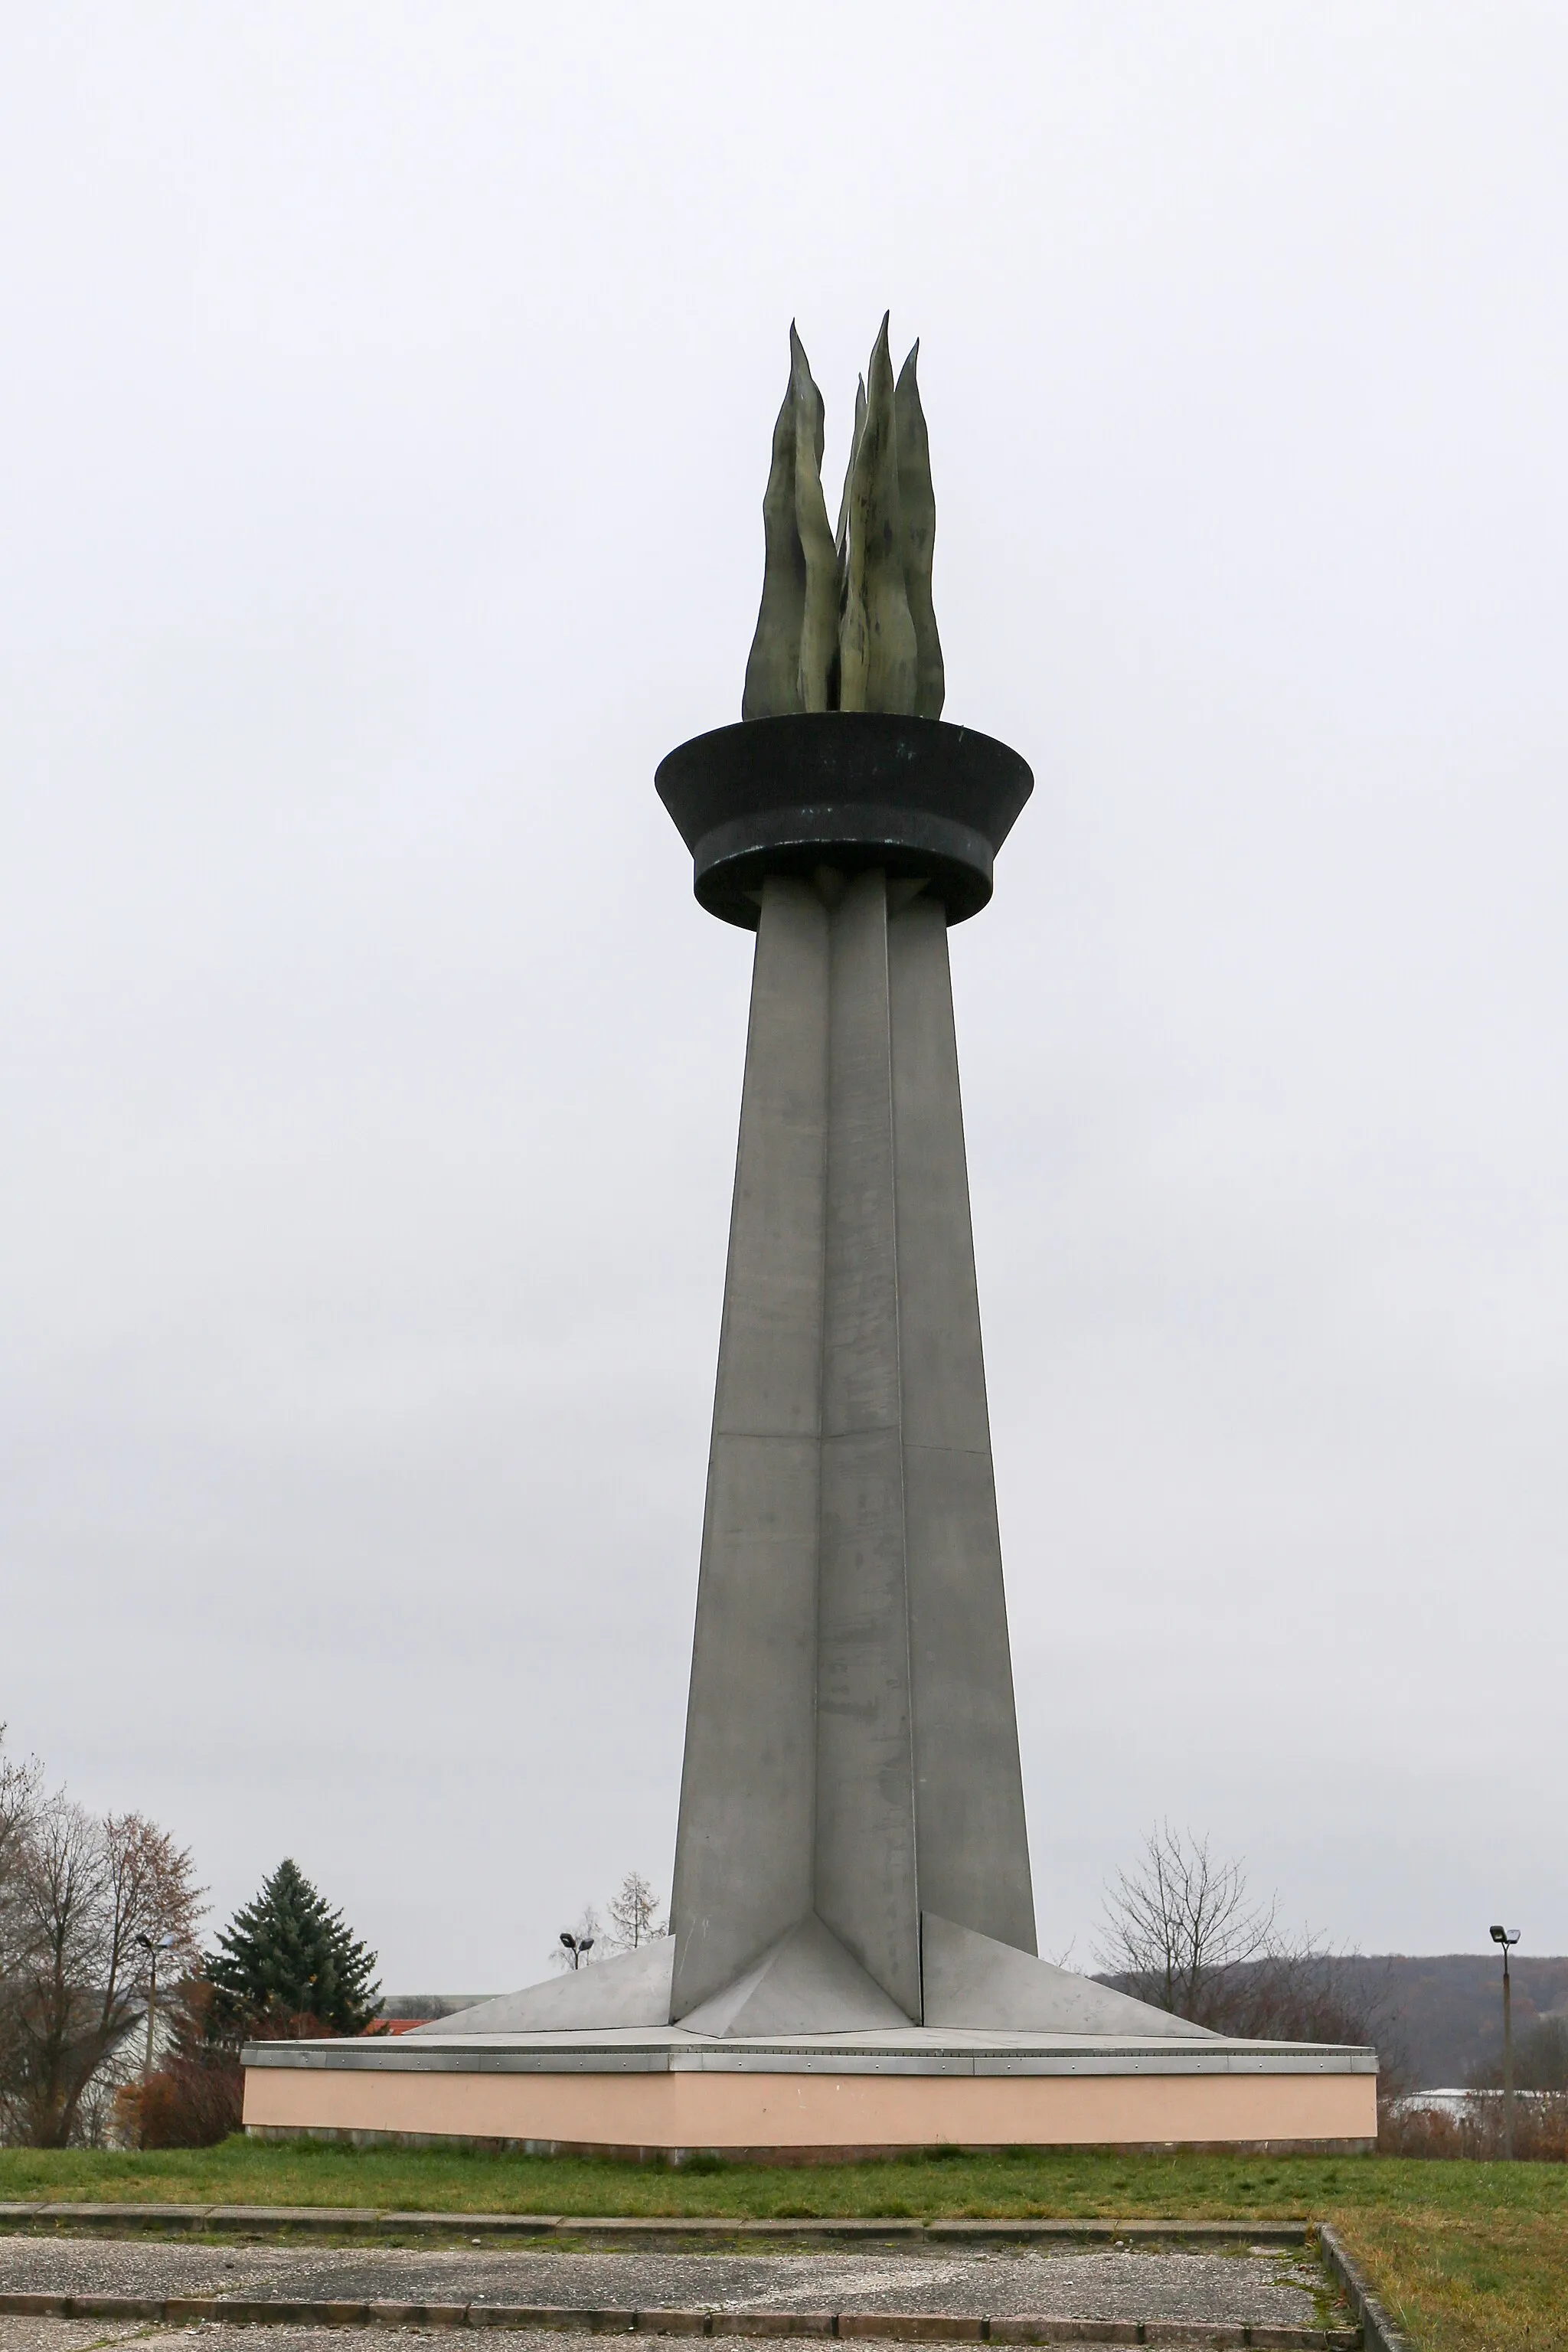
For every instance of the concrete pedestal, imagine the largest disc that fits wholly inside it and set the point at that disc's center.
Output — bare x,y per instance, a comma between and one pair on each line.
852,1748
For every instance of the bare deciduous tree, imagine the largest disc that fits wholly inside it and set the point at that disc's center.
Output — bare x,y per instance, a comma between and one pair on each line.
19,1785
1178,1922
85,1903
634,1913
1181,1931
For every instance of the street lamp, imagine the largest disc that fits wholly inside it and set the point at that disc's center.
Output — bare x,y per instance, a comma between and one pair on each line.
151,1947
1507,1937
578,1946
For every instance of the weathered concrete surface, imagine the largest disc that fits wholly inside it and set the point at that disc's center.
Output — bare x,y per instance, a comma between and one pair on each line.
852,1751
853,1959
973,1981
632,1990
807,1984
743,1866
864,1754
852,1743
971,1832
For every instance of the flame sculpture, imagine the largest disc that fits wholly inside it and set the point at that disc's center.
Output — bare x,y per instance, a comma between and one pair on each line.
846,622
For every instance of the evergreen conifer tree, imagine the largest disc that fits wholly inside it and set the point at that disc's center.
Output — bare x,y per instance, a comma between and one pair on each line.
286,1952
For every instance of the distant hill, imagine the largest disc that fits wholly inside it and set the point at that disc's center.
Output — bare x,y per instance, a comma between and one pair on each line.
1447,2007
1442,2012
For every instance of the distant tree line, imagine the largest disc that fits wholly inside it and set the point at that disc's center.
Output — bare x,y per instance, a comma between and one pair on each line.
1540,2059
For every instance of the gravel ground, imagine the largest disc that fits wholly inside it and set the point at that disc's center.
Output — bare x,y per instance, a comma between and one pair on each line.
1273,2288
76,2335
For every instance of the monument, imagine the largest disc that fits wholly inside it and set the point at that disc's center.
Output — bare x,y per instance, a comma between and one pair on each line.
852,1960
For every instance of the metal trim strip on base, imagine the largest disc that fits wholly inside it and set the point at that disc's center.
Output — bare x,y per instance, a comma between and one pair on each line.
397,2057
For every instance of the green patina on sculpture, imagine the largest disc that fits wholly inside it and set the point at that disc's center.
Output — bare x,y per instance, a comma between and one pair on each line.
846,622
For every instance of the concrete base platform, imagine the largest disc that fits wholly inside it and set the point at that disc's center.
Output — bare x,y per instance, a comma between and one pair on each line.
669,2095
804,2057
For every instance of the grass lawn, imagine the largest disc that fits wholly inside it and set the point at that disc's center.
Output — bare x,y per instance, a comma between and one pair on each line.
1468,2257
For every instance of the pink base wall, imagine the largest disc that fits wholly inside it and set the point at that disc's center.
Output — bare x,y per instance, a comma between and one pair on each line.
820,2112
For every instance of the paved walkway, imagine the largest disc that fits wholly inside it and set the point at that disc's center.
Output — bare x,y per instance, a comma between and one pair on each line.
1246,2288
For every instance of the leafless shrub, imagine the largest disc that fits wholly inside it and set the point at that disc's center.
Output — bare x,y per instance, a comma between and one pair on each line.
1475,2127
1405,2127
1298,1992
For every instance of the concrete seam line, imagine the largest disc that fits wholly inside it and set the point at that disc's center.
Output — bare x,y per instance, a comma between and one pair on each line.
1380,2333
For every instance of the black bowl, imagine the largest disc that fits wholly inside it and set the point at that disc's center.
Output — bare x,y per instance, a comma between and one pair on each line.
846,789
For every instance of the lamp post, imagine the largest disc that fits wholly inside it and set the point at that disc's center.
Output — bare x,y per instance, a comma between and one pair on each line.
578,1946
1507,1937
151,1946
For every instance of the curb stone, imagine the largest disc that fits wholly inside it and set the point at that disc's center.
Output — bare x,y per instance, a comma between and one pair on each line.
888,2326
126,2218
1378,2329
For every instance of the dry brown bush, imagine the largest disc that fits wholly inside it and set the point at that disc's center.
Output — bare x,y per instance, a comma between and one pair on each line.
1476,2129
195,2097
182,2106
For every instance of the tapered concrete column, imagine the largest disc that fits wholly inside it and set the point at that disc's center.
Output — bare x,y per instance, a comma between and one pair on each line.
974,1844
865,1762
851,1741
743,1865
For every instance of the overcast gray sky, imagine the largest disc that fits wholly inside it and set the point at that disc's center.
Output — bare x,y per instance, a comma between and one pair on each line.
382,428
